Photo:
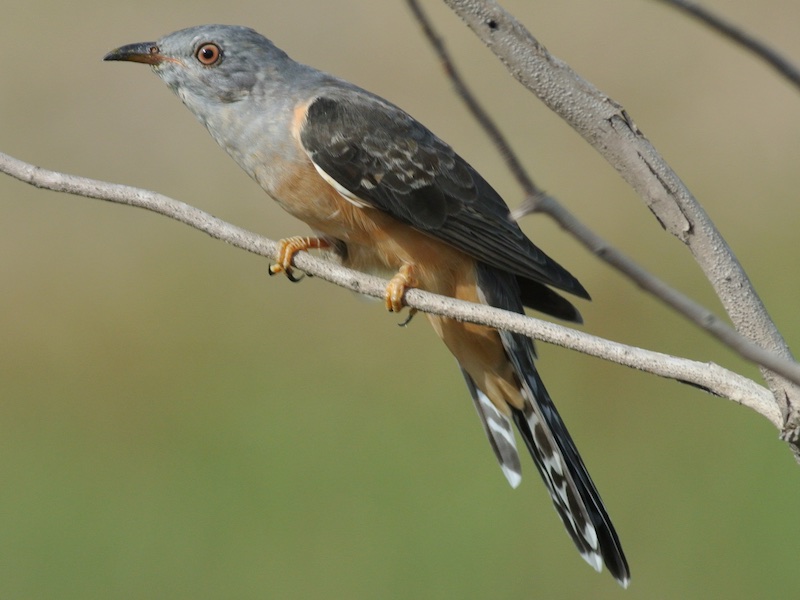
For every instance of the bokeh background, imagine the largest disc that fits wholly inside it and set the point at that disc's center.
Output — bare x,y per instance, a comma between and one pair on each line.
175,424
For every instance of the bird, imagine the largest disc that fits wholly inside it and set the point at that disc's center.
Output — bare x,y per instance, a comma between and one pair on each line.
387,196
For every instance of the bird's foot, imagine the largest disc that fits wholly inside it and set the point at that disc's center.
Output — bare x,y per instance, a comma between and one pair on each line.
288,247
402,280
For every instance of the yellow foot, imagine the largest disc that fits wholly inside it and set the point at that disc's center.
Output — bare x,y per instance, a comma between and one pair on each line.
402,280
288,247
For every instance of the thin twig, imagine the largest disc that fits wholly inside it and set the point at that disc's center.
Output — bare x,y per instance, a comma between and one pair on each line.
539,201
484,119
741,37
708,376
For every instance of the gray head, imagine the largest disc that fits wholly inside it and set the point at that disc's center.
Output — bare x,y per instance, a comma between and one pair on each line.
209,63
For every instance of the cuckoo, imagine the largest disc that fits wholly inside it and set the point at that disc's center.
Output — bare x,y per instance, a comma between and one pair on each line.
389,197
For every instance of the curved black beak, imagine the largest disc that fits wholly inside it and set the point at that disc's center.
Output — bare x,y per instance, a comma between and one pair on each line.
143,52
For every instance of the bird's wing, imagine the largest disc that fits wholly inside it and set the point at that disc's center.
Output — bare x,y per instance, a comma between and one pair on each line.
378,154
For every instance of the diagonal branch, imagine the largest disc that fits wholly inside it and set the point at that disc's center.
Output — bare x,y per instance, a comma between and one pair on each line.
707,376
483,118
539,201
610,130
741,37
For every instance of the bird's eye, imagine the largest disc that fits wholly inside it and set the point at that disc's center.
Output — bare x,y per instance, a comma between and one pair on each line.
208,54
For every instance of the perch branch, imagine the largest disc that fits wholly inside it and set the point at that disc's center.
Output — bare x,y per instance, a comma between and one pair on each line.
707,376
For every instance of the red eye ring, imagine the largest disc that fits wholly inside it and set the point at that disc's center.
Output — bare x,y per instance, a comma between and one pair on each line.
208,54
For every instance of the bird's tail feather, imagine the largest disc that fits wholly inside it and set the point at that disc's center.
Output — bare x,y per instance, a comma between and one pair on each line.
498,429
574,495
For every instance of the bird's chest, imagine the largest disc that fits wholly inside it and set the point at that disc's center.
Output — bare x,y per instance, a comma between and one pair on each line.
375,242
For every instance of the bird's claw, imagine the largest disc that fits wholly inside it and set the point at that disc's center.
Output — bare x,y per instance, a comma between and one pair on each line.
411,312
287,248
402,280
289,272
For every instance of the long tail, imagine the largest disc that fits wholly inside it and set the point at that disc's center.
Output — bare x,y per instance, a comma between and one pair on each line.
574,495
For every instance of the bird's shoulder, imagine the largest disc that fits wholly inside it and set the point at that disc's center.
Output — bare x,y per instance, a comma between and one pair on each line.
382,154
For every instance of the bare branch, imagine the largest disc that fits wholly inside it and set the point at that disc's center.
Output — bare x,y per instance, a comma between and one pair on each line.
611,131
539,201
741,37
707,376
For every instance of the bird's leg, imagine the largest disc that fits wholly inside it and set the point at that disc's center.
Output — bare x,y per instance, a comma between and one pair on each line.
288,247
402,280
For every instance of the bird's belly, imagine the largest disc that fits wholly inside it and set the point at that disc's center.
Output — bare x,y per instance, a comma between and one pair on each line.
376,242
380,245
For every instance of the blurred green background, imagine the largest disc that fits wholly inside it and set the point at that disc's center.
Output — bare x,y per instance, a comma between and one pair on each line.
175,424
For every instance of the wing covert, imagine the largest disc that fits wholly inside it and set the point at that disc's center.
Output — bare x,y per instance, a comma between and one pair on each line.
390,161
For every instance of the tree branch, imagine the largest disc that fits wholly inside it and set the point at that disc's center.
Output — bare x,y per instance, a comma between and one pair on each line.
707,376
610,130
539,201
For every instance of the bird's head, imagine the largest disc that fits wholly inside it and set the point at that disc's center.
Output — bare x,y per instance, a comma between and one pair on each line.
209,63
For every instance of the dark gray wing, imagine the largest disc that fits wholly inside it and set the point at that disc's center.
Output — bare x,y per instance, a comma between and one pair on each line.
387,159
